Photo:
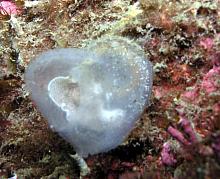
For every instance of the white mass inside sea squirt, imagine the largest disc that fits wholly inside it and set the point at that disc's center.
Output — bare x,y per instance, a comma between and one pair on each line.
93,96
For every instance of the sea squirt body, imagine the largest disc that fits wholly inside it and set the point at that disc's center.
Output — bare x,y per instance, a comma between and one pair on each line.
92,96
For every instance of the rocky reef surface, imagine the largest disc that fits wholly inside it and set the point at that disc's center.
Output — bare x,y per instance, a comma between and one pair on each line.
178,134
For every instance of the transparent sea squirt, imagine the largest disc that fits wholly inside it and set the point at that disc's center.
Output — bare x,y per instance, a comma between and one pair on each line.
92,97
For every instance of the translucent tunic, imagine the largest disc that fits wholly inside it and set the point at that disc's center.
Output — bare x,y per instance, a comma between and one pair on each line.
93,96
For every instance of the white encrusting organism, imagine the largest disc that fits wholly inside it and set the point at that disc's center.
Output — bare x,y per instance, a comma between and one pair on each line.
93,96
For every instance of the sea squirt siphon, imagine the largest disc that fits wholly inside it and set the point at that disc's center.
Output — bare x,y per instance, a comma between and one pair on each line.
92,96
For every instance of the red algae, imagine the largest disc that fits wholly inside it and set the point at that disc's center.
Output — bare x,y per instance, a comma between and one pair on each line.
9,8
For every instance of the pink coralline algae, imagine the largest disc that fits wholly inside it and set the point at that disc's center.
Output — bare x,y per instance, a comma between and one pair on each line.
8,7
185,124
209,83
177,135
210,80
187,130
167,156
192,94
183,132
207,43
